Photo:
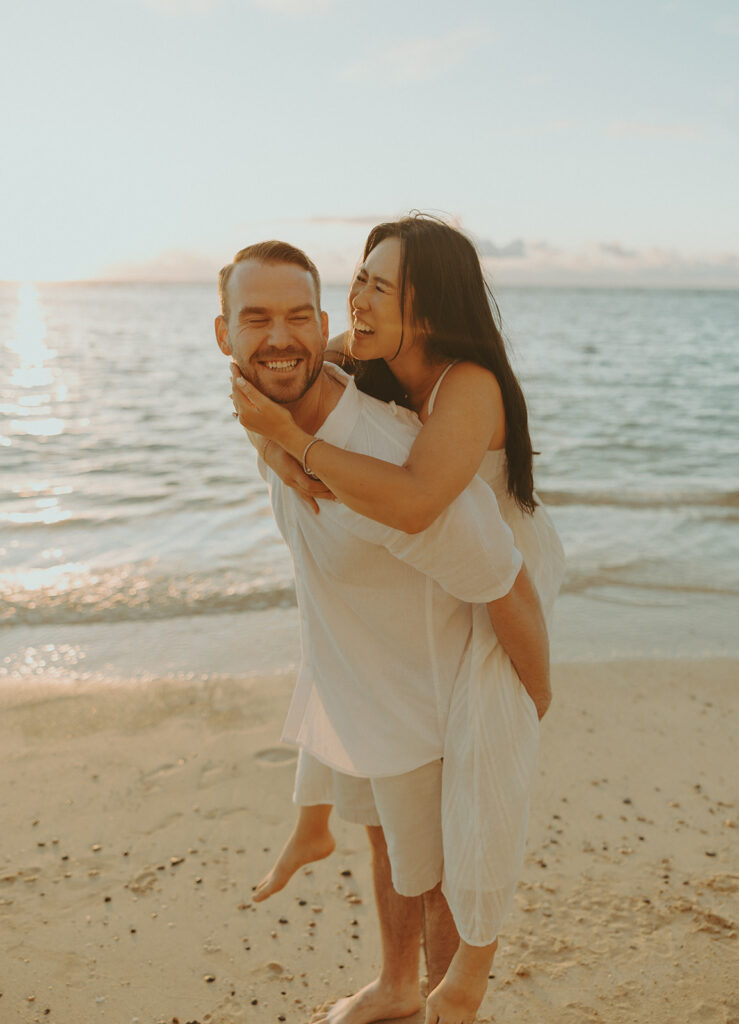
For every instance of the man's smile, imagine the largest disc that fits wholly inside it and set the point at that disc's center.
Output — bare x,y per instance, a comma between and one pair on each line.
280,365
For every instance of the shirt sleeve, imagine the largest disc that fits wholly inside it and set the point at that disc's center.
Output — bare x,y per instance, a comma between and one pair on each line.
468,549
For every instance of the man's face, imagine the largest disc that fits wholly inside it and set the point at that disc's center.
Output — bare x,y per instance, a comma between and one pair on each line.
274,331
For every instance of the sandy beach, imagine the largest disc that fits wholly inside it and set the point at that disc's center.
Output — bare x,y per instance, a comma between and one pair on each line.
136,820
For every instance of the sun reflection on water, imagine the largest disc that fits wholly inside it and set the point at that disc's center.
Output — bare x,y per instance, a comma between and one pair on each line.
55,578
28,341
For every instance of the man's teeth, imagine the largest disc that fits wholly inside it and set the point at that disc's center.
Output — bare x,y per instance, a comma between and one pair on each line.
282,364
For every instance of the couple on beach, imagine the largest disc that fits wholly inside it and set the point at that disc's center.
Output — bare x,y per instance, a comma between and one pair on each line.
399,464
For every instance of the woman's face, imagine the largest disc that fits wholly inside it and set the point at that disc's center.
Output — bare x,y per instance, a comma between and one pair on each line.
374,302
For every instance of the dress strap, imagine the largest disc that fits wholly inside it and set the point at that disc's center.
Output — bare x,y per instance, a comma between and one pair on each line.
437,385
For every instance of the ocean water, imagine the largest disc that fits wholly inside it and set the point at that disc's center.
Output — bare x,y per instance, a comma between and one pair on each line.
129,494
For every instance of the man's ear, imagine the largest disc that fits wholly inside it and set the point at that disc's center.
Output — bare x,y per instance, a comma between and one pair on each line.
324,327
221,327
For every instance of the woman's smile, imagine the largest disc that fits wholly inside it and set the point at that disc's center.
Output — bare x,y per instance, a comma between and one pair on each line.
362,328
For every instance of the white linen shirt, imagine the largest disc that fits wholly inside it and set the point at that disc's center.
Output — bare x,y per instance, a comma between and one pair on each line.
387,618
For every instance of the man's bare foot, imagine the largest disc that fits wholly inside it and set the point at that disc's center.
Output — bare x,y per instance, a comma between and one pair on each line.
297,851
376,1001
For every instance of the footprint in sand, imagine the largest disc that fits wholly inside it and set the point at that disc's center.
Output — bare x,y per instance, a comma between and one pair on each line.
150,780
276,755
143,882
165,823
215,771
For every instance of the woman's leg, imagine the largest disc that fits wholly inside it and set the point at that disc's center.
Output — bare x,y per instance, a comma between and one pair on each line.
310,840
457,997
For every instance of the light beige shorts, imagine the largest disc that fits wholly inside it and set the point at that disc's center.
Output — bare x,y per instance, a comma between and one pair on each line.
408,807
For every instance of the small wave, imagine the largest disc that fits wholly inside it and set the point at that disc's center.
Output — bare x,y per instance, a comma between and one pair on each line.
82,607
39,522
578,583
656,499
163,600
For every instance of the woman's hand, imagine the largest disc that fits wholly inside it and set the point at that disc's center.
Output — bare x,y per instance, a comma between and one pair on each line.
257,412
291,473
541,698
249,410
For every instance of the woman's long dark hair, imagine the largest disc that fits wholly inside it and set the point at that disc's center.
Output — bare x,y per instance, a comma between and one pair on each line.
460,316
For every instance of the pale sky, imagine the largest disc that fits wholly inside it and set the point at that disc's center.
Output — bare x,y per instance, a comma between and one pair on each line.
578,140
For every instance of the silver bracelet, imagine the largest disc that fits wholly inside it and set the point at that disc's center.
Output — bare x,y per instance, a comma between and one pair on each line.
308,447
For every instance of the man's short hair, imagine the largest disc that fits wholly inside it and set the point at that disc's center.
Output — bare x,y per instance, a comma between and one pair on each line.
268,252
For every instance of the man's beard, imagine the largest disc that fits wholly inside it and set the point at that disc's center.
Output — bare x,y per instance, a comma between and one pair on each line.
297,384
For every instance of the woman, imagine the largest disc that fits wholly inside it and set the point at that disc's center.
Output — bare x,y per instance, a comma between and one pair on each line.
424,334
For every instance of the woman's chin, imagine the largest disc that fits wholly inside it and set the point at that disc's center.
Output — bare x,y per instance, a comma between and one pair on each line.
362,348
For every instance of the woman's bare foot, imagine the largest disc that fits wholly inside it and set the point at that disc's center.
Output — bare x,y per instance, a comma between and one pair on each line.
376,1001
457,997
310,840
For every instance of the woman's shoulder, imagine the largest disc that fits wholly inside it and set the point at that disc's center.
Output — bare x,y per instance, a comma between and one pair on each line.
470,380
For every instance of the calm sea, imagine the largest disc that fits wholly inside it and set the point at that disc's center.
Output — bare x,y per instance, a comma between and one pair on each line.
129,492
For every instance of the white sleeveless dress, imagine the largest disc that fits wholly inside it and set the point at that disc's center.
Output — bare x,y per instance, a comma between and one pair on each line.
491,743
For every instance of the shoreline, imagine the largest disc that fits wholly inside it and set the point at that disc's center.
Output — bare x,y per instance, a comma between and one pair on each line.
589,628
138,817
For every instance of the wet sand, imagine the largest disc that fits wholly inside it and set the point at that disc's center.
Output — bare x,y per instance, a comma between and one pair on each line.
136,819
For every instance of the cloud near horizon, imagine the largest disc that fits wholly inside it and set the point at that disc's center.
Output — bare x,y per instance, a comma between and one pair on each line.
368,218
295,6
204,6
519,262
672,132
611,264
418,59
179,265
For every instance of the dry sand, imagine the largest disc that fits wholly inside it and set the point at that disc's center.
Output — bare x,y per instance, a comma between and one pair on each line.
135,822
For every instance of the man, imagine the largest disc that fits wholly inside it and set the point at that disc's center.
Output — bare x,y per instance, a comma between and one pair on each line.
391,624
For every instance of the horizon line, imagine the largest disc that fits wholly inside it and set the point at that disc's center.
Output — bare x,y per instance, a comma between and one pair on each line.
587,285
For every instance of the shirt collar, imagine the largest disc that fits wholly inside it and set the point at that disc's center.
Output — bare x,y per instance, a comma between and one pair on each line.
340,422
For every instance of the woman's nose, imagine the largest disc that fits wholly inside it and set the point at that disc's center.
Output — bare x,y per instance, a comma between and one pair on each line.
357,298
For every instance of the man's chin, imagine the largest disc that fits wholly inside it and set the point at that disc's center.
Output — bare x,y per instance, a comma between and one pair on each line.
287,391
282,392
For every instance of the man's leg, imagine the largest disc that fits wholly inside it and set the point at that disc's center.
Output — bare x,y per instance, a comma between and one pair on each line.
395,993
440,935
458,973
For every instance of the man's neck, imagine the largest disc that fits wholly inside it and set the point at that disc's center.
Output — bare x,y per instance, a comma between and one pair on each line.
310,411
